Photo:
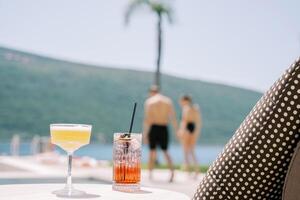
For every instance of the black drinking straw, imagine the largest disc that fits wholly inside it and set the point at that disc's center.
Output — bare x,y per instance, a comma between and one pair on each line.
132,119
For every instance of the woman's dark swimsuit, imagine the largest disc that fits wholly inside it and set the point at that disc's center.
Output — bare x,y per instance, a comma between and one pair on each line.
190,127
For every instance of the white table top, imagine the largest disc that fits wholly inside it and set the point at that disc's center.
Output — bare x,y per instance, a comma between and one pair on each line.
94,191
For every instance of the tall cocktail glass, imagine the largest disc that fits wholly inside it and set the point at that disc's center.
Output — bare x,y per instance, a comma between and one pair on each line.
127,162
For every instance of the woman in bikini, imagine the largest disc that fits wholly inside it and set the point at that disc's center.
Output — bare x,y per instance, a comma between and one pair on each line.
189,132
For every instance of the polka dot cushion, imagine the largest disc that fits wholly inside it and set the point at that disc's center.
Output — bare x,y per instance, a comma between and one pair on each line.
254,163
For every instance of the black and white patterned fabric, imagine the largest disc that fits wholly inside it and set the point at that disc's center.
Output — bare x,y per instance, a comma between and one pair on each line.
254,163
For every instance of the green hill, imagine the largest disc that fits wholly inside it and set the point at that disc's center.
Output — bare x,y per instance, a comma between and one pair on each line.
36,91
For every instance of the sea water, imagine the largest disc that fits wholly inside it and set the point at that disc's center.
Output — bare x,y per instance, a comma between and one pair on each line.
206,154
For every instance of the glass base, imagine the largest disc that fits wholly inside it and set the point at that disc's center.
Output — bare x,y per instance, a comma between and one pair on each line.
69,192
126,187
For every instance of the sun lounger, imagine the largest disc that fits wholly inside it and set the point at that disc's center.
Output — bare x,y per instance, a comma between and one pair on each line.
261,156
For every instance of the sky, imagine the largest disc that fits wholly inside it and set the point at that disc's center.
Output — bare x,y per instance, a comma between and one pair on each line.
237,42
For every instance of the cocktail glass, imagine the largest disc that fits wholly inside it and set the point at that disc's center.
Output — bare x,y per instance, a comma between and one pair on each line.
70,137
127,162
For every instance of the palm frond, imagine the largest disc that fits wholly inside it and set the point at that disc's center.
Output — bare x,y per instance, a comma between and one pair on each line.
162,8
158,6
170,15
133,5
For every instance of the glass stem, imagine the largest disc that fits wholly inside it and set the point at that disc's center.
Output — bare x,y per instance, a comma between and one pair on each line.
69,177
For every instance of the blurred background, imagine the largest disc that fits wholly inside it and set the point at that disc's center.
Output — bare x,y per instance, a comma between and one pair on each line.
76,61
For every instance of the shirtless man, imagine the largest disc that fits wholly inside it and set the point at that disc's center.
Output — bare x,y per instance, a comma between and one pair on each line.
159,112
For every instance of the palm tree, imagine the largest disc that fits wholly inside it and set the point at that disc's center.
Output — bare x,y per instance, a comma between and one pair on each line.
161,9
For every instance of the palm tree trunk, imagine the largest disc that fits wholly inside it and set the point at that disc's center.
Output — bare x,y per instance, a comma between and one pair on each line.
159,47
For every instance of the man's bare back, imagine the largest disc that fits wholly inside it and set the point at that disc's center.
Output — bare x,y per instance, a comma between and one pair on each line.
159,110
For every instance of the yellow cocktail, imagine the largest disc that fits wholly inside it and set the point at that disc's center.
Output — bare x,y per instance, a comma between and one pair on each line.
70,137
